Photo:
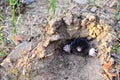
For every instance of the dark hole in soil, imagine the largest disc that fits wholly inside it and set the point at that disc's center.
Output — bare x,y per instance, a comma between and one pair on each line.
58,45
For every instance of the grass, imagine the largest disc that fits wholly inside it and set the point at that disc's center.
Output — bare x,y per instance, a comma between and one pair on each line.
117,17
92,2
12,4
117,14
53,7
116,48
1,17
0,34
3,54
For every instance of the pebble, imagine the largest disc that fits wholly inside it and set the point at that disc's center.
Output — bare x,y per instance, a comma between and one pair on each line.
93,9
68,19
81,1
119,22
104,16
26,1
16,54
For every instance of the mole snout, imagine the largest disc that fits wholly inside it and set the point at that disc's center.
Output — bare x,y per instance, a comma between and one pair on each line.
79,49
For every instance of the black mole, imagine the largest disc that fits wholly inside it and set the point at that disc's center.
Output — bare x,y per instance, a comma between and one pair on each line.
80,46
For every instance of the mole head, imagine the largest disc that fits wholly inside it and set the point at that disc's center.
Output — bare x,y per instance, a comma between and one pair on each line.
92,52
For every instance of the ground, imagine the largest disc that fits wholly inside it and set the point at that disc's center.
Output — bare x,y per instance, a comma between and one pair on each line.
67,67
31,30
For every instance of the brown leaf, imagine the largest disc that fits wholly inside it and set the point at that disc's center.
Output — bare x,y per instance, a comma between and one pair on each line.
16,38
106,68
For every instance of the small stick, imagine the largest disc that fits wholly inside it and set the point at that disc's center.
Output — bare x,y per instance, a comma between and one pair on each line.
115,37
112,4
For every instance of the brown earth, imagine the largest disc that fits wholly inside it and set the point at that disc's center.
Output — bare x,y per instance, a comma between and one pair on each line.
40,56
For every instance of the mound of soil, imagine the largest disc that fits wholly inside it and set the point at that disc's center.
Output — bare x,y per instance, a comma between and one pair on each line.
54,63
48,61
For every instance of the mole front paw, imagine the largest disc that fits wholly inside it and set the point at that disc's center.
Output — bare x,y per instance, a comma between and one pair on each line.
67,48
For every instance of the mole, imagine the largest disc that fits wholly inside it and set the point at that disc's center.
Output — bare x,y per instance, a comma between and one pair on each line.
80,46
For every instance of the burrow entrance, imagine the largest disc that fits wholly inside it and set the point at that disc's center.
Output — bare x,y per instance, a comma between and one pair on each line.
58,65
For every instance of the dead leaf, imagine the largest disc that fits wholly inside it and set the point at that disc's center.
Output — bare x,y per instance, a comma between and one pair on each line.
106,67
16,38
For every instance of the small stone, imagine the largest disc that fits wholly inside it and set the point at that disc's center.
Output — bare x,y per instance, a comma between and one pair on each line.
119,23
104,16
16,54
81,1
34,55
26,1
55,37
91,17
93,9
68,19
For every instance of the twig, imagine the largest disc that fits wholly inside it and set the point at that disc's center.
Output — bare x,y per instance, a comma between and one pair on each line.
112,4
115,37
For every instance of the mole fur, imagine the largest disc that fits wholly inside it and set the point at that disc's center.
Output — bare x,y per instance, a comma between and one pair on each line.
81,43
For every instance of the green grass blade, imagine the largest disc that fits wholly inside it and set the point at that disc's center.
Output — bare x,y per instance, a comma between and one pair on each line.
12,3
118,50
117,14
53,7
3,54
